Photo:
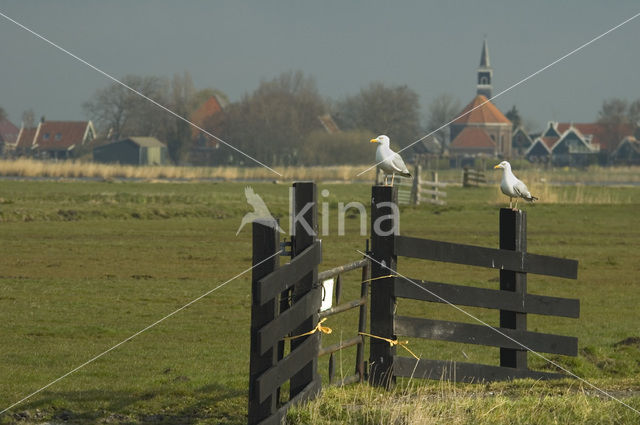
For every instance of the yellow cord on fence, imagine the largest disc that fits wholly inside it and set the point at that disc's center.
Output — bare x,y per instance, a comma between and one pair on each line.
393,342
379,277
318,328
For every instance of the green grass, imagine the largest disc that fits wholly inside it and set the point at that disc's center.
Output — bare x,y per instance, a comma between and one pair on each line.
87,264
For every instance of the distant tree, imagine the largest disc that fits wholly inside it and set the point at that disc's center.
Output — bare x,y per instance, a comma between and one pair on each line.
3,114
615,115
513,115
121,112
178,132
271,123
442,110
393,111
345,147
29,118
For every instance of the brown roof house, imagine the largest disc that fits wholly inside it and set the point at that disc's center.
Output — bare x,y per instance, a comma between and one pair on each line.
8,135
204,148
564,145
54,139
481,128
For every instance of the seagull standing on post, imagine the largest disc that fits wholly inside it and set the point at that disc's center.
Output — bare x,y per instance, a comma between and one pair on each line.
389,161
512,187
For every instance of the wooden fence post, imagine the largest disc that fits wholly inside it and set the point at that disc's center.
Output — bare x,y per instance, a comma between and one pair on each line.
415,189
266,242
305,223
383,302
513,236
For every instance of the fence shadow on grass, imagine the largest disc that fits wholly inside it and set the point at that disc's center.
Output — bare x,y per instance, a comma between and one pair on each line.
212,402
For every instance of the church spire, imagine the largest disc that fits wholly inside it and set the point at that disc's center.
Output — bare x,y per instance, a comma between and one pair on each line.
485,73
484,58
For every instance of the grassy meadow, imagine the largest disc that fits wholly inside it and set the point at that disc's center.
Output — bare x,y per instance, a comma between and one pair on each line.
87,264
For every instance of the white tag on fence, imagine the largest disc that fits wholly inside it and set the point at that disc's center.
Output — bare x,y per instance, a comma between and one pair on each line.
327,294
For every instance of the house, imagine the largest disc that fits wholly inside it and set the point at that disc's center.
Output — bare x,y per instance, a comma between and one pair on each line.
54,139
8,134
204,147
627,152
132,151
480,127
520,142
563,146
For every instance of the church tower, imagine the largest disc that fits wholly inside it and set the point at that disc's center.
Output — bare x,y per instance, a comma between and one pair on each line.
485,73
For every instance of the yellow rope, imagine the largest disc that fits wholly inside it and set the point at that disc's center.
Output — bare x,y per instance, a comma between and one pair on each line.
318,328
393,342
379,277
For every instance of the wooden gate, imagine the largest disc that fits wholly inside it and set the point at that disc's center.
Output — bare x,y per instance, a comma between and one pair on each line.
285,302
512,300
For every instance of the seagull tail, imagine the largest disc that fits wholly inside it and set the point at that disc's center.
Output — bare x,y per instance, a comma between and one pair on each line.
407,174
533,198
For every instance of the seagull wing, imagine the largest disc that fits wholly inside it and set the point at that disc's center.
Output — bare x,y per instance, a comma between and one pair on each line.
521,189
399,164
256,201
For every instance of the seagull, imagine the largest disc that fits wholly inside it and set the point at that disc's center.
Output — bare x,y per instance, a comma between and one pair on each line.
260,210
389,161
512,187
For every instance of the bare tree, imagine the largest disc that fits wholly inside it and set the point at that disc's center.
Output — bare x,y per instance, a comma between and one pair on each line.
442,109
3,114
393,111
614,115
121,112
272,123
29,118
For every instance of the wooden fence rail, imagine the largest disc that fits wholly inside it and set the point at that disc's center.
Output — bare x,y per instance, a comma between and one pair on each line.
360,303
418,191
472,178
511,299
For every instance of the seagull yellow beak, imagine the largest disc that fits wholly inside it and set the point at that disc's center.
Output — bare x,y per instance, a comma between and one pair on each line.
497,166
373,141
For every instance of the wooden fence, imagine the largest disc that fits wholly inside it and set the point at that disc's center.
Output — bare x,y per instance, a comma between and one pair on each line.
472,178
512,300
286,304
415,191
286,307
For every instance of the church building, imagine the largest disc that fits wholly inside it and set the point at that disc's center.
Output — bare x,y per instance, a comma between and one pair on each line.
481,128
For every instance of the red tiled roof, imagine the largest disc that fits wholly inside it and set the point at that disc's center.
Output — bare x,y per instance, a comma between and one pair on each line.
25,139
8,131
598,132
549,141
60,135
208,108
473,138
487,113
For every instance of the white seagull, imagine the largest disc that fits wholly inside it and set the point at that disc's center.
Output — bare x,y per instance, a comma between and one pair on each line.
512,187
389,161
260,210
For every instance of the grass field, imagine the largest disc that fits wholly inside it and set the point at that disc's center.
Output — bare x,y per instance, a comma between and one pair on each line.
87,264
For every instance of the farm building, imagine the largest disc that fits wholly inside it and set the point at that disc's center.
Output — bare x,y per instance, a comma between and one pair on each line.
132,151
53,139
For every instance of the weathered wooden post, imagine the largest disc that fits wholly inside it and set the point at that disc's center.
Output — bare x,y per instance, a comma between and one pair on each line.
513,236
266,241
415,188
384,226
305,228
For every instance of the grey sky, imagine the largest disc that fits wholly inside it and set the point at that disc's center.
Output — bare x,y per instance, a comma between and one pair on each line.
433,47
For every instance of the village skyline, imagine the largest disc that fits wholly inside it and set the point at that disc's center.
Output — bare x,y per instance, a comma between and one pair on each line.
232,48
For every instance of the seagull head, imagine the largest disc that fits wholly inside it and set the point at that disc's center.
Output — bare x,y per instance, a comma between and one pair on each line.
382,139
504,164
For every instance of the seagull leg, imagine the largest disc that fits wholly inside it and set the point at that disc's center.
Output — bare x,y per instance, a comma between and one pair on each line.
516,207
392,176
510,202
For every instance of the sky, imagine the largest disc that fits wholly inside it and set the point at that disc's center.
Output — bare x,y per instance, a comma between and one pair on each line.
432,47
